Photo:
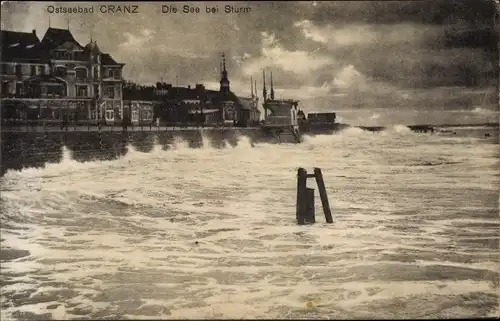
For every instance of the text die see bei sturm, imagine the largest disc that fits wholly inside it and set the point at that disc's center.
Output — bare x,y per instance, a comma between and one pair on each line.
186,9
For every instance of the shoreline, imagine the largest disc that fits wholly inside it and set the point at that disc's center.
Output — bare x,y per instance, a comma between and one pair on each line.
79,128
94,128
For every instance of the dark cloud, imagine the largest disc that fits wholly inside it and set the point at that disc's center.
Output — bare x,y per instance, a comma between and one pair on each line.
428,12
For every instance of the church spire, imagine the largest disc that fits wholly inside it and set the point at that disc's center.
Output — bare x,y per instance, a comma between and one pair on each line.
272,87
224,81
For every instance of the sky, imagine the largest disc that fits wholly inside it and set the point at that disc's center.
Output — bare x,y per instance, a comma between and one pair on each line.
384,53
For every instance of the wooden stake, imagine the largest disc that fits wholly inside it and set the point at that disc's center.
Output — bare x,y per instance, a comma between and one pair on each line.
322,194
301,187
309,210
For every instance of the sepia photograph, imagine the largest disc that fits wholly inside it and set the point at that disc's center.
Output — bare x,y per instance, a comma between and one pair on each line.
249,160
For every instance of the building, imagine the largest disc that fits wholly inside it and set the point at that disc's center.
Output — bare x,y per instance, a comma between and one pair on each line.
240,111
250,106
279,112
58,79
198,105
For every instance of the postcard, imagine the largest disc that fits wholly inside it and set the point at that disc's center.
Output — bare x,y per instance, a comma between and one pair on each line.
249,160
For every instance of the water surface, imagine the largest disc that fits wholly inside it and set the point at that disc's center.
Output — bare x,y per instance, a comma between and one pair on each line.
211,233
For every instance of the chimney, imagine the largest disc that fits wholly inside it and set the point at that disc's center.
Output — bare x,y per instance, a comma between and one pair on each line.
33,32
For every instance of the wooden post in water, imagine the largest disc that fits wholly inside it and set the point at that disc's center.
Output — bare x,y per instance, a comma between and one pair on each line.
322,193
309,210
305,209
301,190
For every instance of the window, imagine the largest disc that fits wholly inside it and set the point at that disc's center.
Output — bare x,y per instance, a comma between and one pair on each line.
96,73
135,115
147,115
33,70
19,89
11,88
96,90
111,92
56,90
93,114
41,70
117,74
59,55
110,73
9,69
81,73
118,110
81,91
60,71
5,87
19,70
110,114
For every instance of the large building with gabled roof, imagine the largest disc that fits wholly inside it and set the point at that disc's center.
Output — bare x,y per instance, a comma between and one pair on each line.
57,78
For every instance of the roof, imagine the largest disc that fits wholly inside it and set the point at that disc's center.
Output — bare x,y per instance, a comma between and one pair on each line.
92,47
246,103
19,46
106,59
184,93
54,38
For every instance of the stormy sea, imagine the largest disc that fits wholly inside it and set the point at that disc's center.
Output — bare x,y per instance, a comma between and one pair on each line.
210,232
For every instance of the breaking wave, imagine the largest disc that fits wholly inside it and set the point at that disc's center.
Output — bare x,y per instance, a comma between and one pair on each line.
209,232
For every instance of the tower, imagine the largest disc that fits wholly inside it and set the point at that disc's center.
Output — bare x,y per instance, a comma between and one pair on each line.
95,75
224,81
272,87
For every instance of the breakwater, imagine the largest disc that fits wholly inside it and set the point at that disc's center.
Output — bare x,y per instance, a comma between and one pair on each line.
32,148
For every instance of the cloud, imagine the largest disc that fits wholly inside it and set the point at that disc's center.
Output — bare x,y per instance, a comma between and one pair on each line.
362,34
273,55
353,48
136,43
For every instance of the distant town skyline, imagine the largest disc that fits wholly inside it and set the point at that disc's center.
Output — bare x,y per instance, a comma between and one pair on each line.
315,49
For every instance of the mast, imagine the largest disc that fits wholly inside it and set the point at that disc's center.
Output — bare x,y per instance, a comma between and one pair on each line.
264,90
251,86
255,86
272,87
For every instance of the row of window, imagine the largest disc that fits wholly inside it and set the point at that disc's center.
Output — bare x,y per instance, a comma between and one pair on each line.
66,55
82,73
32,70
83,91
59,71
116,114
18,89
